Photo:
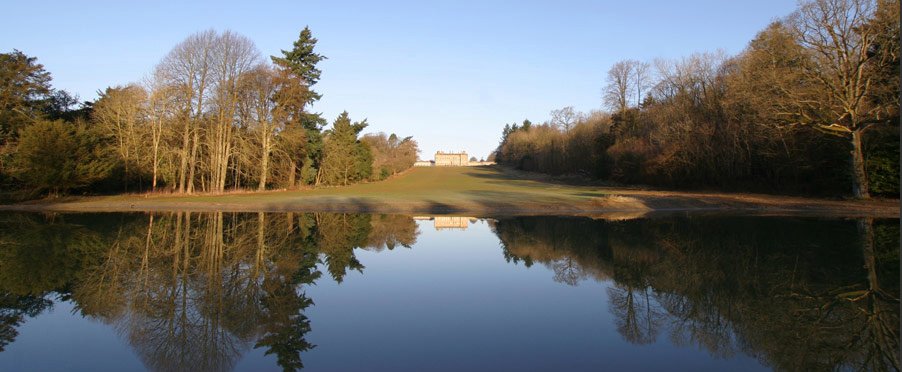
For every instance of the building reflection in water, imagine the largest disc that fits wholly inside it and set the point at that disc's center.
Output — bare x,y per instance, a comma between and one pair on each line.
448,222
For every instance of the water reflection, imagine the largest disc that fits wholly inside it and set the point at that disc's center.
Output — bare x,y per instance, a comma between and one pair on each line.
189,291
197,291
448,222
797,294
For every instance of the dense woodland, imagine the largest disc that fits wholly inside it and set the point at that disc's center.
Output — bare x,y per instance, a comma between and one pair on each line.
782,116
211,116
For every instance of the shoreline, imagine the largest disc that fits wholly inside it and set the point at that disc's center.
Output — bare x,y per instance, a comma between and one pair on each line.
813,208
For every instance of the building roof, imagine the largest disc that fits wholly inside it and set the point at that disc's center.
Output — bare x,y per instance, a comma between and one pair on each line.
450,153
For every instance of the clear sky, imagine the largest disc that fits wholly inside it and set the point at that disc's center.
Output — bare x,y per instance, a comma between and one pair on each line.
451,74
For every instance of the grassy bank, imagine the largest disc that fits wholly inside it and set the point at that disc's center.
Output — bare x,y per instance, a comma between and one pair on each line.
474,189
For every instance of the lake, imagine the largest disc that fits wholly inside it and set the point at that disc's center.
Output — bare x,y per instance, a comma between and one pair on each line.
335,292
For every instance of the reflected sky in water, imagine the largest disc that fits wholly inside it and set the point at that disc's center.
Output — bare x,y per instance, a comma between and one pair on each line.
453,303
524,293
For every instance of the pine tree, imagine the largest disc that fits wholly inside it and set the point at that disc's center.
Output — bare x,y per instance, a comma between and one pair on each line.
301,61
24,92
298,67
345,158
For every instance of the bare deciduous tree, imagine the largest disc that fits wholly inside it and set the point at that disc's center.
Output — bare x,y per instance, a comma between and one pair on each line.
189,67
642,78
564,118
119,111
619,86
260,91
160,109
205,73
837,34
233,56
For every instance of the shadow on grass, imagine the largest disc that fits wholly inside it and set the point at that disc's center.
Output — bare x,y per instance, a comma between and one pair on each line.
476,202
363,205
592,194
504,174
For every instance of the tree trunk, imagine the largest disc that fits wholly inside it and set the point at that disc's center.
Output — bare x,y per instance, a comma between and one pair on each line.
154,183
291,175
866,232
264,163
319,174
224,161
192,165
183,164
126,175
859,175
261,244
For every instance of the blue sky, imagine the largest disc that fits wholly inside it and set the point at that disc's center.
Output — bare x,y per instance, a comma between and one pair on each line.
450,74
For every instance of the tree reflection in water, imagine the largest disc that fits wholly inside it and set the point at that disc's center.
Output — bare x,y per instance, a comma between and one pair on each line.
189,291
195,291
790,292
14,309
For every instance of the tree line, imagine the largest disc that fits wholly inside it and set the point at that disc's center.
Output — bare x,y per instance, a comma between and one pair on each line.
213,115
811,106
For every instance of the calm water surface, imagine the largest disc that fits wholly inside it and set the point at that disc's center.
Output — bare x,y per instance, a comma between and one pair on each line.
338,292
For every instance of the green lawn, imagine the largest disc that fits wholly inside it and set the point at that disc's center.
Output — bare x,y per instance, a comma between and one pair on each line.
444,188
472,190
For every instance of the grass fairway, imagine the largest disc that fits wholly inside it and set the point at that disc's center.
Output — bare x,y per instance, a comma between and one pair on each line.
472,190
421,189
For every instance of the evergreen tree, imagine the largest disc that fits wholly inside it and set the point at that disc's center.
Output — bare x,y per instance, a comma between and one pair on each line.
301,61
299,71
26,96
345,158
58,156
24,92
